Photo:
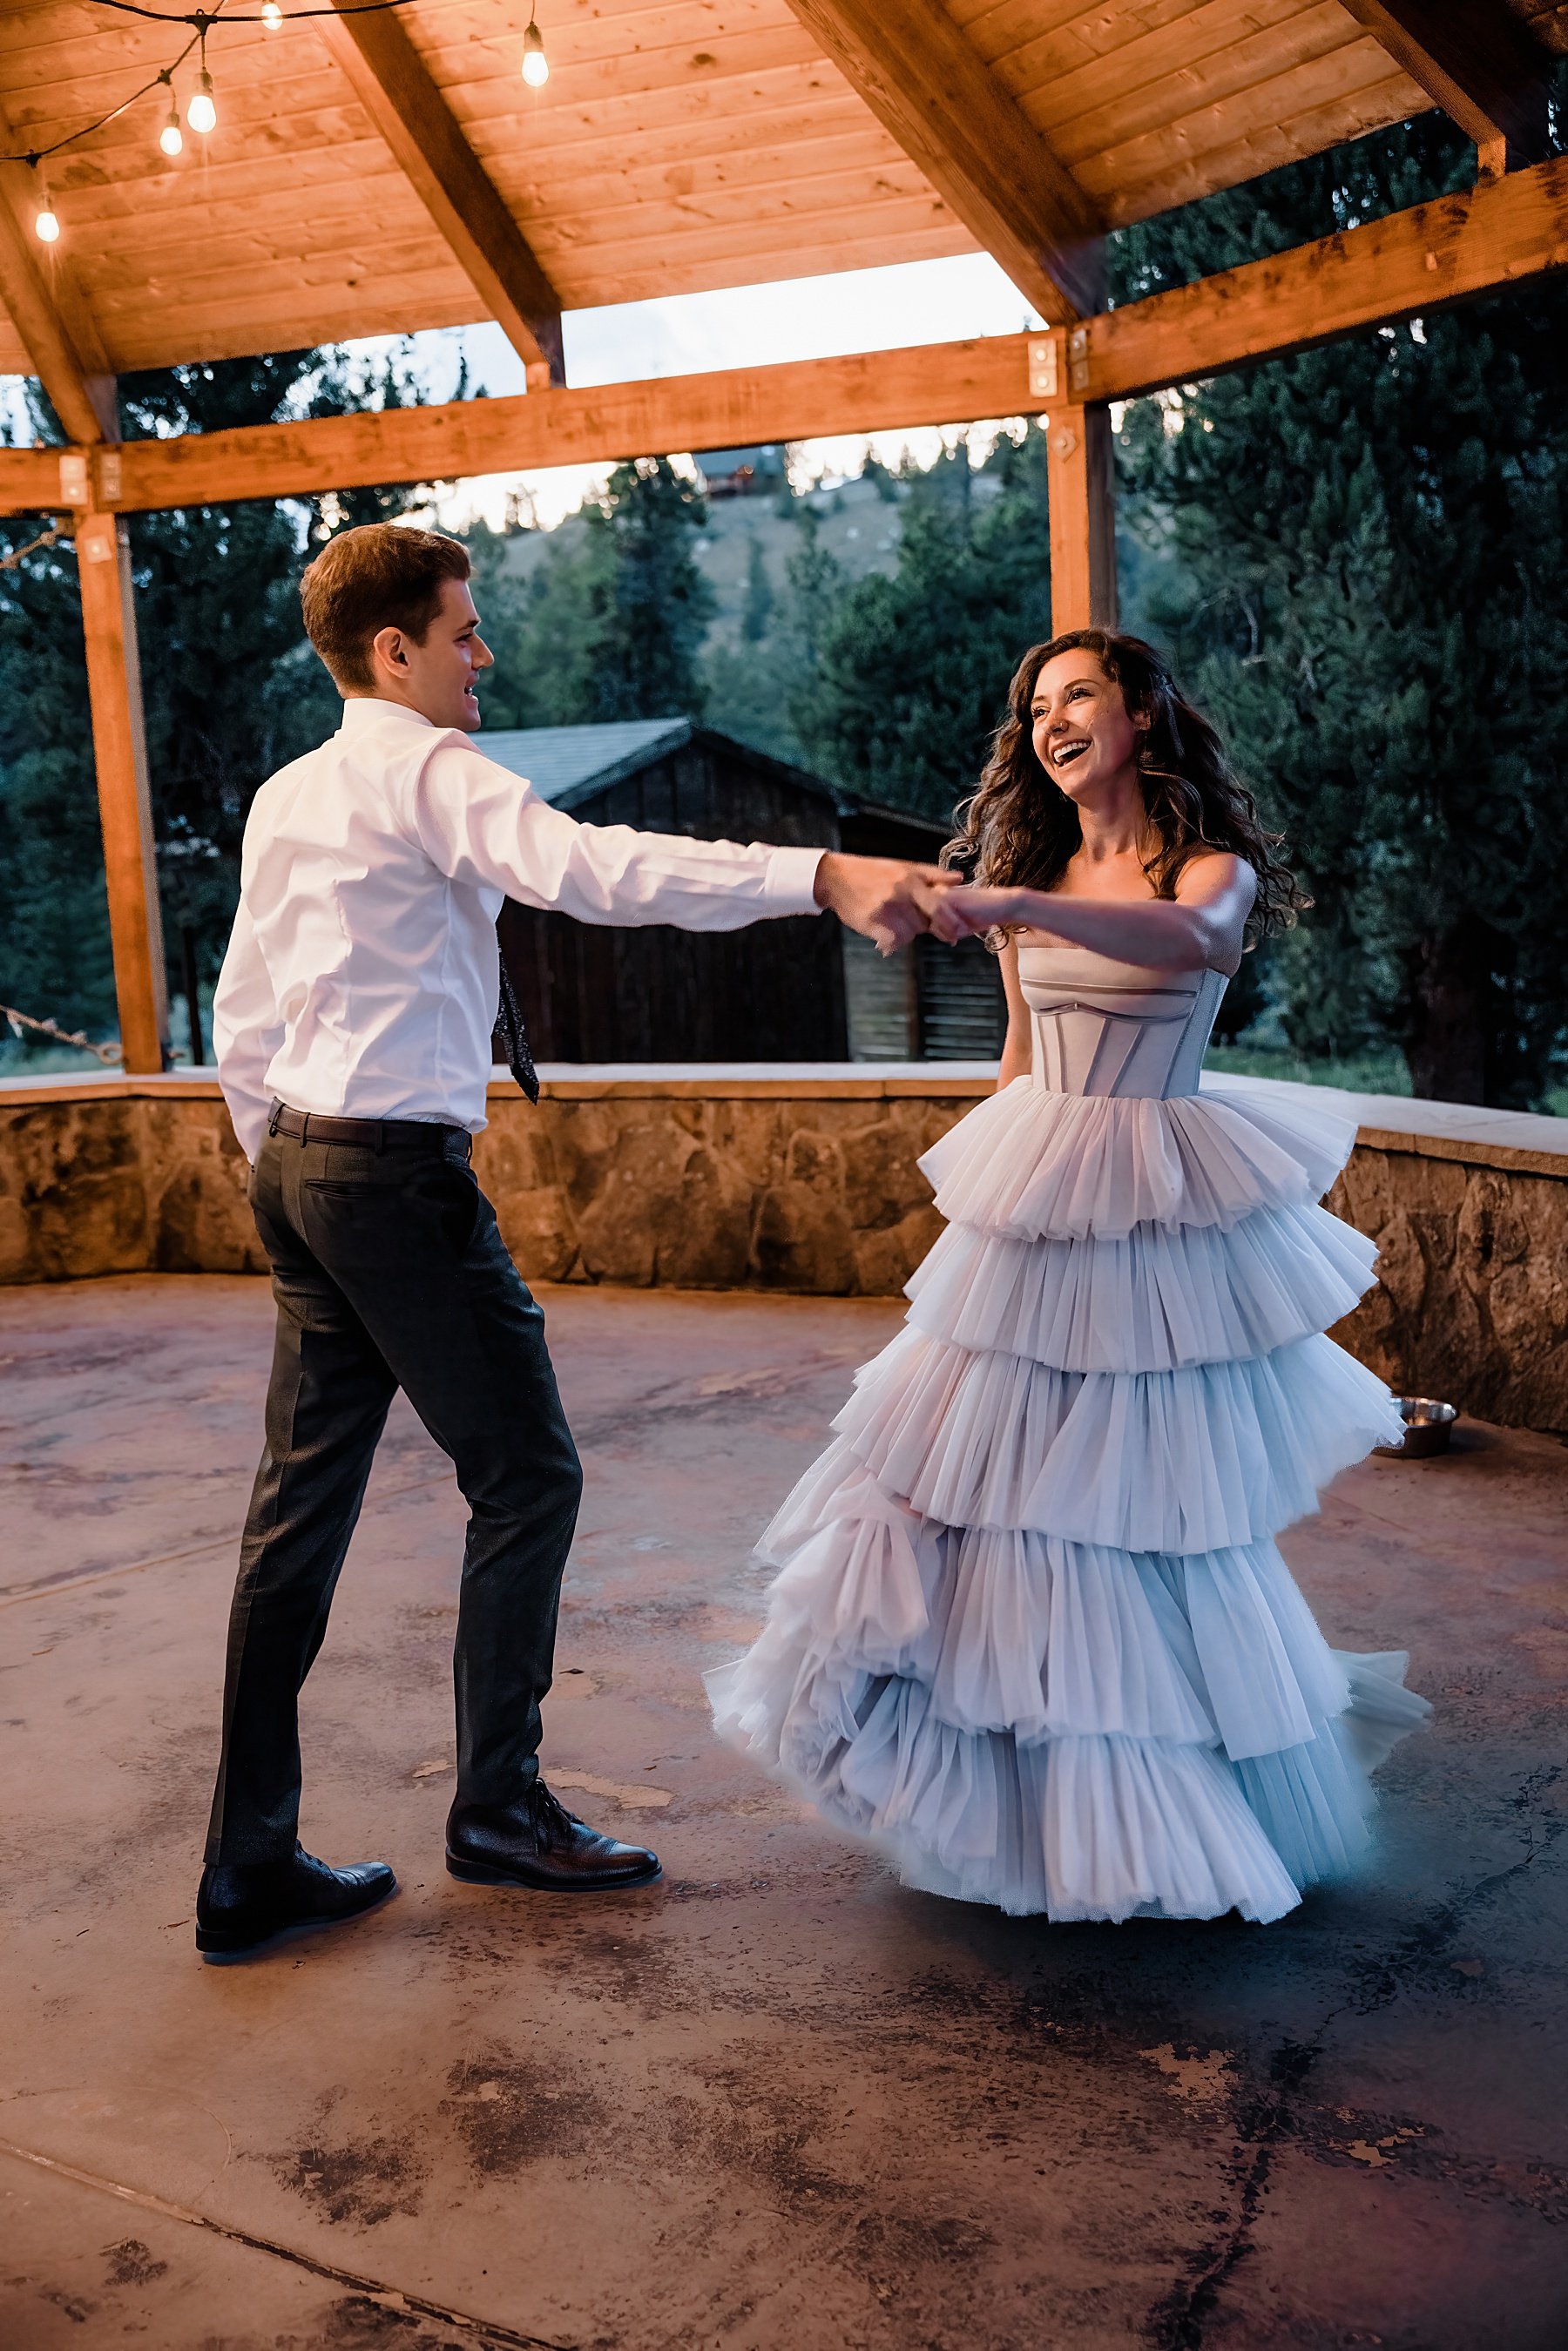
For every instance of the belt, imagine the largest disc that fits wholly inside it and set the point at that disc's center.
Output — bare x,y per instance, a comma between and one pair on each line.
369,1134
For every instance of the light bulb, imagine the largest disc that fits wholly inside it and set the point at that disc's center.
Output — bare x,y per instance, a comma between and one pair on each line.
536,65
202,114
271,15
46,223
171,138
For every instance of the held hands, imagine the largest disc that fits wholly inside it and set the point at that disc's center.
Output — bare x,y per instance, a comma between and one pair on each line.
969,912
889,901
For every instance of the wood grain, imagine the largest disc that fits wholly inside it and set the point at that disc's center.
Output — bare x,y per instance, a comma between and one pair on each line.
934,95
389,78
120,756
1079,471
1462,245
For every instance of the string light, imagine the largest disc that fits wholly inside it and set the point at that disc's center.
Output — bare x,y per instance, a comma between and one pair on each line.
46,225
201,113
536,65
171,139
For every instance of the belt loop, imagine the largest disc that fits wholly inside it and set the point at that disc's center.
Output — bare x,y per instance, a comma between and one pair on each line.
275,1114
305,1118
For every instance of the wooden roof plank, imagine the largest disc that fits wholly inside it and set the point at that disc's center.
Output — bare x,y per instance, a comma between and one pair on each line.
393,85
1475,60
928,85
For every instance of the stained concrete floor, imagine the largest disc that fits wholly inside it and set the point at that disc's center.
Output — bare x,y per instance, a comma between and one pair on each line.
776,2103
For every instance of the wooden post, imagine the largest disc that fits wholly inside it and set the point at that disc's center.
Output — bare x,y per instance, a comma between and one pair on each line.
1080,478
119,755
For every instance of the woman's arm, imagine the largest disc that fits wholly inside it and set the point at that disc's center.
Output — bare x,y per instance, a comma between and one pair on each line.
1204,924
1018,1052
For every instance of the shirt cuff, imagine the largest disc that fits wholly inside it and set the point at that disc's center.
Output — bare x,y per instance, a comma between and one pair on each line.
790,886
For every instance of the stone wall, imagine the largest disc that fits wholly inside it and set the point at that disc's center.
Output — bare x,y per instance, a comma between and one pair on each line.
1472,1296
806,1180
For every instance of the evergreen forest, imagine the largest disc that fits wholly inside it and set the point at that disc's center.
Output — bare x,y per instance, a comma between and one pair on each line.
1355,555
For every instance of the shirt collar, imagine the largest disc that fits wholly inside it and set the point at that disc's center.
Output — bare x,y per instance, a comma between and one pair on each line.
362,710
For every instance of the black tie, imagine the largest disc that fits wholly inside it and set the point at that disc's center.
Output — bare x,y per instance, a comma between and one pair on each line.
509,1021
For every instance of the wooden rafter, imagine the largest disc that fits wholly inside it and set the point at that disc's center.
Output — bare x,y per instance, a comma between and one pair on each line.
53,323
934,95
1491,237
1475,60
393,85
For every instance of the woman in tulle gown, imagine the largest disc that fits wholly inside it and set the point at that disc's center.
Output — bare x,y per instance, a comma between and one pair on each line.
1032,1635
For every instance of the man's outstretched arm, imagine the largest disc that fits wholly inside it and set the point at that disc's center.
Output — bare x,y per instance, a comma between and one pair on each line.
479,824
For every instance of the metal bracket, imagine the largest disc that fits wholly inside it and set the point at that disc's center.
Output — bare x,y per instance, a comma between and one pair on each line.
1043,370
75,488
1078,358
109,476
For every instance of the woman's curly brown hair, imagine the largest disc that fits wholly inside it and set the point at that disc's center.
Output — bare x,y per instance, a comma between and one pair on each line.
1019,829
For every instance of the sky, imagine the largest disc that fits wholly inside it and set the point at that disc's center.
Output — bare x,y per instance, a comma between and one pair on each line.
690,334
749,326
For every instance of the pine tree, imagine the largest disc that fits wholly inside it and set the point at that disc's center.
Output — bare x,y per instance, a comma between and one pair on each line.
649,606
909,675
758,596
611,623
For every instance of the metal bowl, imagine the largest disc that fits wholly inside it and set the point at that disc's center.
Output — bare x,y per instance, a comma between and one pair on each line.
1428,1425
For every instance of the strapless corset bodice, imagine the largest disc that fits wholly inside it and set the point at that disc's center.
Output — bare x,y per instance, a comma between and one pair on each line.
1107,1028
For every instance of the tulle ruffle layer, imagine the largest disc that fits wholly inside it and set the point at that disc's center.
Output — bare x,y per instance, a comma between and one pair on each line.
1050,1726
1042,1166
1203,1458
1155,1299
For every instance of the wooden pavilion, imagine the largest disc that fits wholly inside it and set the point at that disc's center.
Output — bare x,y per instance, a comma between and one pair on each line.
384,168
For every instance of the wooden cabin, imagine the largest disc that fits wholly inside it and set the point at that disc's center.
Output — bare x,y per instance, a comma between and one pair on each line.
797,989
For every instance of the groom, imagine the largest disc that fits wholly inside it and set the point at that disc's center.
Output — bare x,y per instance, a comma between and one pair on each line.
352,1026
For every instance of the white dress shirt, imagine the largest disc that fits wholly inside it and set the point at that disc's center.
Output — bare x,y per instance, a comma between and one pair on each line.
362,978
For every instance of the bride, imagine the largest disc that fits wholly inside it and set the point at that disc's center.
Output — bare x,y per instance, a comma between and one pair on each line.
1032,1635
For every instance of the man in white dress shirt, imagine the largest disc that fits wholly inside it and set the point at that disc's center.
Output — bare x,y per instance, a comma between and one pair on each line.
352,1026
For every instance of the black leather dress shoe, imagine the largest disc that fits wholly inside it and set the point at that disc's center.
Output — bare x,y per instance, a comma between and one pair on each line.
537,1842
241,1910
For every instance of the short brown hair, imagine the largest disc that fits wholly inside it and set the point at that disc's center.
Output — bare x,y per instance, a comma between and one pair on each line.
376,577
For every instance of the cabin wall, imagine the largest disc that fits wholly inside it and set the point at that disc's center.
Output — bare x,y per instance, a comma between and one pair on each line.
773,991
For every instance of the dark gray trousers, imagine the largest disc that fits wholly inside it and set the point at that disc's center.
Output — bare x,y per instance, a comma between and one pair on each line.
388,1272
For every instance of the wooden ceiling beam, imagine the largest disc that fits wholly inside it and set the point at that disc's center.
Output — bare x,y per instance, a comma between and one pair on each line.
393,85
1494,236
936,96
1485,238
1476,60
803,400
54,325
36,481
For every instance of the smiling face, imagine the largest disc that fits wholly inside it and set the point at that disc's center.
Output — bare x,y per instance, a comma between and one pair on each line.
437,674
1084,736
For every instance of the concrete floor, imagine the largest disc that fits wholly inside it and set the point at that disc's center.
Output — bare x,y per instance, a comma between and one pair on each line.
776,2103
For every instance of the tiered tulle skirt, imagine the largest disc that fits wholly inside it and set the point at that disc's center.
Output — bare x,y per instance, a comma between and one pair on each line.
1031,1634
